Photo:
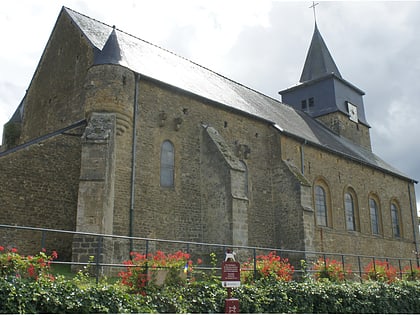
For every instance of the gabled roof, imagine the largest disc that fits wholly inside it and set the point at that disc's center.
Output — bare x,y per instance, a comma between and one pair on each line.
159,64
319,61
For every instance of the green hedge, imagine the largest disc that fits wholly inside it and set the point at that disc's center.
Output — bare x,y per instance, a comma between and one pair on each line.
67,296
327,297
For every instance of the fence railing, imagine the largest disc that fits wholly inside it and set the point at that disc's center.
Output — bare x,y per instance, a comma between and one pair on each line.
249,254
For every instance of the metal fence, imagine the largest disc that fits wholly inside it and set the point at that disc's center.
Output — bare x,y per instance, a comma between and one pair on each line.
302,261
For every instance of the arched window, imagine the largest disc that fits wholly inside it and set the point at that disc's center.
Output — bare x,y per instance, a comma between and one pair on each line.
321,205
350,213
167,163
395,217
351,210
374,216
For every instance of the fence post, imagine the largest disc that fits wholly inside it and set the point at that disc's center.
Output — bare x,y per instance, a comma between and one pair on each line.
374,266
43,239
98,255
360,269
255,263
147,265
399,266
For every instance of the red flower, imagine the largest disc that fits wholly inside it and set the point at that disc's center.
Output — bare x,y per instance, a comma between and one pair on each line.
268,266
31,271
14,250
380,271
1,248
330,269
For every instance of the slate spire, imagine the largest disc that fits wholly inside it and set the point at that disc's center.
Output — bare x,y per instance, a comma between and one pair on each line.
111,52
319,61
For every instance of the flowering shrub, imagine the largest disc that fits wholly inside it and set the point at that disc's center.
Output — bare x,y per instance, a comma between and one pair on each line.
12,264
330,269
378,270
268,266
141,269
411,273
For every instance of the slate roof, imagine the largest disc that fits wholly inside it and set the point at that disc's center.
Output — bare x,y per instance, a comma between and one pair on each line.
154,62
319,61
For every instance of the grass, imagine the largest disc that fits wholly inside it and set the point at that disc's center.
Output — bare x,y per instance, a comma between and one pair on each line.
65,271
62,270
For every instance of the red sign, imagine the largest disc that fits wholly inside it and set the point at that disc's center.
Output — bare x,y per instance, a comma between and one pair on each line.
231,306
231,274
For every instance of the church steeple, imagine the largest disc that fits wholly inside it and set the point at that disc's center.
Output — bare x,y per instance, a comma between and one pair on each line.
319,61
323,94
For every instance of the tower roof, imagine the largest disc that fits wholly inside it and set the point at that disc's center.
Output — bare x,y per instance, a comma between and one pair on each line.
319,61
111,52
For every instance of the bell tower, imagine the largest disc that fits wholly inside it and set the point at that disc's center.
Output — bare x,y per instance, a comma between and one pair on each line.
323,94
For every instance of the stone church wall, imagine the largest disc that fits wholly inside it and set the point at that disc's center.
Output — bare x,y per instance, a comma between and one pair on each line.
341,174
342,125
177,213
40,185
55,96
215,202
294,230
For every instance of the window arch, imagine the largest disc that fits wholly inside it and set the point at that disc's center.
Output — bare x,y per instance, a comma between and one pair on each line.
375,215
395,219
351,210
322,203
167,164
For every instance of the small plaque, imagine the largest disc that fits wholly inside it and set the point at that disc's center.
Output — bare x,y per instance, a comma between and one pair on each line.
231,274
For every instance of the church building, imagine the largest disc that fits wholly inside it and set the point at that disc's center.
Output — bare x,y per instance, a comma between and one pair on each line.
118,136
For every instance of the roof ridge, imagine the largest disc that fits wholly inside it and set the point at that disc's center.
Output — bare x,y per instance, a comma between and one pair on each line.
74,11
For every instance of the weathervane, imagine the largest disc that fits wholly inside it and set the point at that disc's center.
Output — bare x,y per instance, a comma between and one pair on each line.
313,7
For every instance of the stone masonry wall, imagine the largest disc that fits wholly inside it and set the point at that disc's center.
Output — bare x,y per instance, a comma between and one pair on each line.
177,213
55,97
341,174
342,125
39,189
216,203
110,90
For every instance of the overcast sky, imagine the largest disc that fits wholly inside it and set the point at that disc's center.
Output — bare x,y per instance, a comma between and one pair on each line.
259,43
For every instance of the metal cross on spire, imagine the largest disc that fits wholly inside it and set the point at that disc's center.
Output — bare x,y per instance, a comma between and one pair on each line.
313,7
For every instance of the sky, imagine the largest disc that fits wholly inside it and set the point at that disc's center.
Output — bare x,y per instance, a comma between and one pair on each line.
259,43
